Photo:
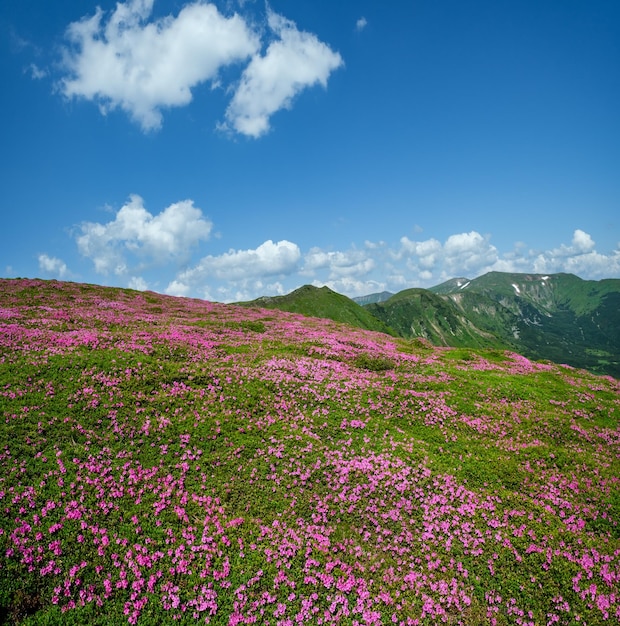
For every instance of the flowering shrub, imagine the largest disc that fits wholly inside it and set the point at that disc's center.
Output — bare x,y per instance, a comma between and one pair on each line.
166,459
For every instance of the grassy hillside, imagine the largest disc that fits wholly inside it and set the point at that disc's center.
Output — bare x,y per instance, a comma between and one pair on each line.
325,303
167,460
422,313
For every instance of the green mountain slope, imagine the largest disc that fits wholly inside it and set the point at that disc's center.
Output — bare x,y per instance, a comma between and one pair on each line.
451,286
559,317
325,303
551,292
421,313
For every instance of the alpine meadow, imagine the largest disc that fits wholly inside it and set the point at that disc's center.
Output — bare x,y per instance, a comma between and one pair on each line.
171,460
310,313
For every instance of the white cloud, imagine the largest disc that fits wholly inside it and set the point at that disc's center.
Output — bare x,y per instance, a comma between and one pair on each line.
135,241
579,258
594,265
126,59
350,263
36,72
142,67
177,288
461,253
468,252
292,63
426,252
353,287
53,266
425,263
238,266
581,243
361,24
138,283
243,291
135,233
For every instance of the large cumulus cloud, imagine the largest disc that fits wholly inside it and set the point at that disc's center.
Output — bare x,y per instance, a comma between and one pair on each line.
143,65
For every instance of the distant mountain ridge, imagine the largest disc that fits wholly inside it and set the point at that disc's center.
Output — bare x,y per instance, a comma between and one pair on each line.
556,317
451,286
373,297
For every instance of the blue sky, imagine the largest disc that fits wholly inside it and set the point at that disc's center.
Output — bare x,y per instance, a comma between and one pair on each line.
226,150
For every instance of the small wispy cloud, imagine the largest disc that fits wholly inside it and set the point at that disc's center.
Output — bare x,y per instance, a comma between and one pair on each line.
138,283
36,72
53,266
361,24
19,44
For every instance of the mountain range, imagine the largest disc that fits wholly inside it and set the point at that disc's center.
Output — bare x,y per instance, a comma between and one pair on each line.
556,317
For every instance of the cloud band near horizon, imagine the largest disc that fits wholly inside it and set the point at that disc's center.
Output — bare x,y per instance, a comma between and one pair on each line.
165,252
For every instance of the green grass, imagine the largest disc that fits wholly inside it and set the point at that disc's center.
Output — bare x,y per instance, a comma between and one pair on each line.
352,465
